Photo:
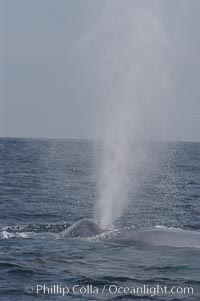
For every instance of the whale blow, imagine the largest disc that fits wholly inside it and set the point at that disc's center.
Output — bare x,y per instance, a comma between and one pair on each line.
82,228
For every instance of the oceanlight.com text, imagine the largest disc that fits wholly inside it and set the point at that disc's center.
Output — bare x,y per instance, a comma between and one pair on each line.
90,289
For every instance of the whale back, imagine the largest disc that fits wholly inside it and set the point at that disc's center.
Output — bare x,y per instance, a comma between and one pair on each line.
161,237
85,228
82,228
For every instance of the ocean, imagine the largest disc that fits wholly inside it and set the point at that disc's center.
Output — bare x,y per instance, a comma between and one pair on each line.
48,184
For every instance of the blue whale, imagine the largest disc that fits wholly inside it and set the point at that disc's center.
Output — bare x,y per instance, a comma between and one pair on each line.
87,228
147,237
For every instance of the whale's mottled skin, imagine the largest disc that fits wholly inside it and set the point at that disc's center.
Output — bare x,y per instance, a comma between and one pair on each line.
82,228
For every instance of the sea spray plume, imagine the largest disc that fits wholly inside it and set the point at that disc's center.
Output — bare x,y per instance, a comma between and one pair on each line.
132,50
114,180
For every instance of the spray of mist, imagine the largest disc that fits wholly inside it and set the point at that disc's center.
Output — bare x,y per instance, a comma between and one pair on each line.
132,50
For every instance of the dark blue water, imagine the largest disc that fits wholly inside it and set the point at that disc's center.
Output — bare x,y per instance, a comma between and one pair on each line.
45,185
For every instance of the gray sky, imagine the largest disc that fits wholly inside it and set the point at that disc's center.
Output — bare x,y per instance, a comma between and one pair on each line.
52,64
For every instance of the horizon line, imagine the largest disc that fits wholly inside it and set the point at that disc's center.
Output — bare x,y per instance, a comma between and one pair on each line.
94,139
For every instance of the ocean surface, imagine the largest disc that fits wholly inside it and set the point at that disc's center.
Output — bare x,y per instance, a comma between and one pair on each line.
48,184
